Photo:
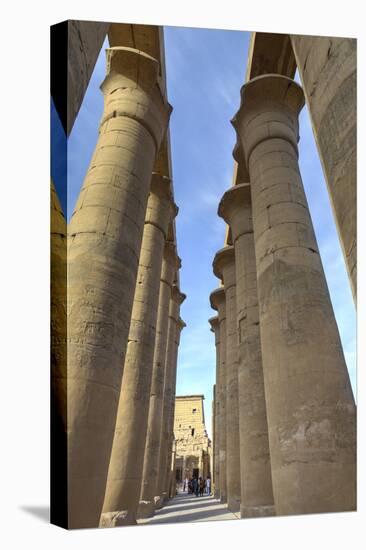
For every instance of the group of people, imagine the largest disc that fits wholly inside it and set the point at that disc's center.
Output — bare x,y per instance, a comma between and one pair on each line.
197,485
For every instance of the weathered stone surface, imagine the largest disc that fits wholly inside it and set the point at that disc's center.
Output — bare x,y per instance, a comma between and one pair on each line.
115,519
270,53
58,289
151,456
218,302
171,485
176,300
255,466
224,268
215,328
327,67
85,39
104,240
310,405
126,462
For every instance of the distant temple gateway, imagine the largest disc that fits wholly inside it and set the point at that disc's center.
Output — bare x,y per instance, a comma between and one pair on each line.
193,446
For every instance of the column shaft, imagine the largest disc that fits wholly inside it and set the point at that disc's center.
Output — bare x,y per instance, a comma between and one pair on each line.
104,241
172,486
222,417
126,462
215,328
169,392
59,504
232,397
327,66
256,480
310,405
224,267
171,470
214,472
151,457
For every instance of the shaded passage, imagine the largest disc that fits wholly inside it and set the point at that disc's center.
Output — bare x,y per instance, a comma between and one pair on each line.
189,508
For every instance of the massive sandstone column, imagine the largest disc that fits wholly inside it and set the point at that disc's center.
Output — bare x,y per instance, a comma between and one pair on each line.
256,480
213,442
310,405
224,268
172,482
104,242
171,455
176,300
215,328
151,458
126,462
328,67
218,302
59,505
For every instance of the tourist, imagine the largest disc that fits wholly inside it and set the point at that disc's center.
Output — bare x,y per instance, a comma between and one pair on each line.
195,485
185,487
208,486
201,486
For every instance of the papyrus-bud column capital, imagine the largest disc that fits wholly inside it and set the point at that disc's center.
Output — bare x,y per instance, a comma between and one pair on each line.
310,406
218,302
126,463
171,263
256,480
224,268
104,240
215,328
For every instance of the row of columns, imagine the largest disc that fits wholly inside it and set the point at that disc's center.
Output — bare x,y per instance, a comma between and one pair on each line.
286,436
123,307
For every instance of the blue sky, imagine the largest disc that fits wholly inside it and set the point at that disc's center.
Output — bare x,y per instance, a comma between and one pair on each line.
205,70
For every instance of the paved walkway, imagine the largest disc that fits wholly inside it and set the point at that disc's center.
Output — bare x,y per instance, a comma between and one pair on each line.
188,508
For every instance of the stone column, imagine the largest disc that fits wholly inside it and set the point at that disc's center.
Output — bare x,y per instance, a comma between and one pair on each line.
180,326
328,66
215,328
151,457
213,442
126,462
176,300
172,485
224,268
218,302
104,241
255,465
59,505
200,465
310,405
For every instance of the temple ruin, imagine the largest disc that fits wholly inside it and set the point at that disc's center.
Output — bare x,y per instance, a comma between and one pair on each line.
284,438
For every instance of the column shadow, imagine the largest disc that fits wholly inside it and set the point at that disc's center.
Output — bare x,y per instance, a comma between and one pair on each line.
191,518
180,507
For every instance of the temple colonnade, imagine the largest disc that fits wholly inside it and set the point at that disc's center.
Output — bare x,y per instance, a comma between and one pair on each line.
284,415
282,384
115,399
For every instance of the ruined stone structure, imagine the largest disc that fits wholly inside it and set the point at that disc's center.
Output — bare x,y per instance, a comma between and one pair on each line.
193,446
284,416
279,354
